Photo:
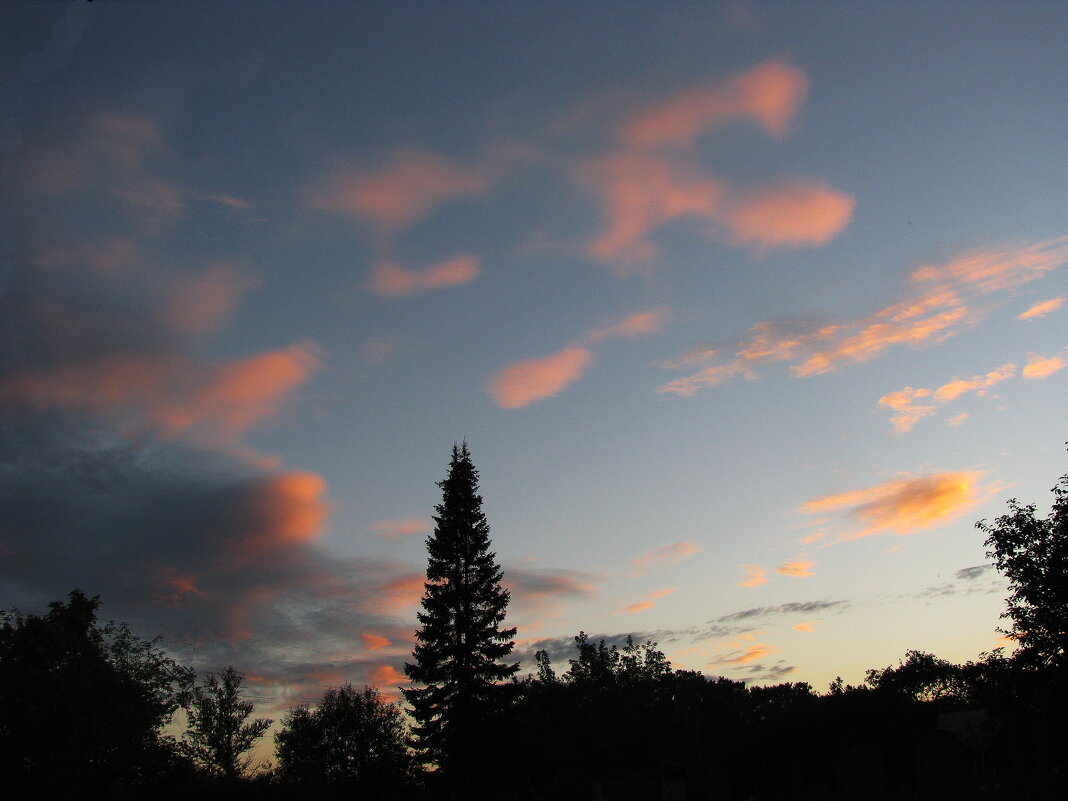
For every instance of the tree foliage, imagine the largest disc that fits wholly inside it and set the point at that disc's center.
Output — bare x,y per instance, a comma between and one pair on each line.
1032,553
218,738
82,704
351,739
460,639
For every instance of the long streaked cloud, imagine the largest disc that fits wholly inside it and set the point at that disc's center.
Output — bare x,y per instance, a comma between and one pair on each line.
649,602
910,405
400,527
654,175
791,608
389,278
1041,309
530,380
662,556
941,306
904,505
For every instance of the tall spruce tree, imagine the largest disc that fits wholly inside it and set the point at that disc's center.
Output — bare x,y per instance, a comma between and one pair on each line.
460,639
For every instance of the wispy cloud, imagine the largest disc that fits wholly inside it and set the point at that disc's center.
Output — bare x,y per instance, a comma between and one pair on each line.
753,576
910,405
804,626
904,505
389,278
938,310
647,322
1041,309
400,527
791,608
663,556
649,603
403,190
798,568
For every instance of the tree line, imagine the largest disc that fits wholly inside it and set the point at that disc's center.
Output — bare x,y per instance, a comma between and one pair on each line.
83,705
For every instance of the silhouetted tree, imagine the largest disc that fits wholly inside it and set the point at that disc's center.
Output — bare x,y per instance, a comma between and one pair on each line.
1032,554
218,737
82,705
353,739
460,638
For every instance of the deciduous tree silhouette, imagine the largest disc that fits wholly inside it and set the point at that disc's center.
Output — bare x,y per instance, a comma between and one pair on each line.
218,737
353,739
82,705
460,638
1032,554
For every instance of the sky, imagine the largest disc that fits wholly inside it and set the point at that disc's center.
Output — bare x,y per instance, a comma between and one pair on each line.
747,312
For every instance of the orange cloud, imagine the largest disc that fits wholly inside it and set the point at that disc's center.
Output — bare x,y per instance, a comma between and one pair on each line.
238,395
401,192
401,527
389,278
1039,366
799,568
753,576
637,607
394,595
387,676
171,393
996,269
751,655
769,94
905,505
1041,309
790,215
907,412
374,641
663,556
648,322
525,382
939,312
805,627
278,511
641,606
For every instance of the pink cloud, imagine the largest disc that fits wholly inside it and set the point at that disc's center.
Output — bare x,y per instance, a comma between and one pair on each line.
389,278
639,192
749,655
199,303
791,215
522,383
404,190
663,556
769,94
634,325
401,527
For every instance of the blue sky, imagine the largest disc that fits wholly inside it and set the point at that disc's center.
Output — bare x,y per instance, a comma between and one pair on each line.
747,312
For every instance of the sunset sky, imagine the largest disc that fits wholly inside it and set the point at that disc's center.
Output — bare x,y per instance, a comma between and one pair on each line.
747,312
